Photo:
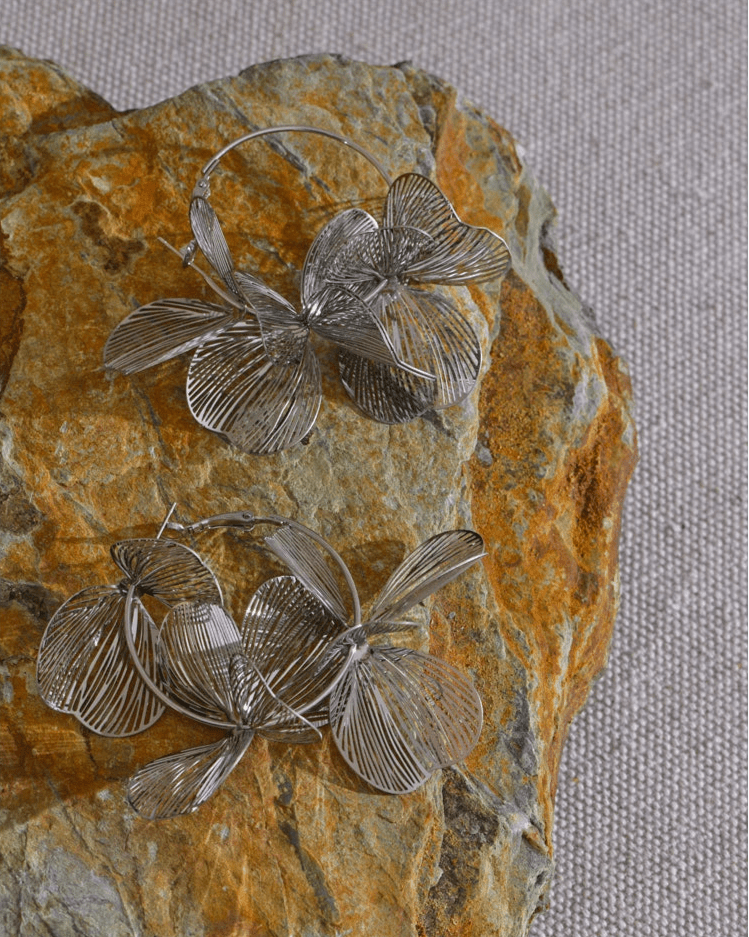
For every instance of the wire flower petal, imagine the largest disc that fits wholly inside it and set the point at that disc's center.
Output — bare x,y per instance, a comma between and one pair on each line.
388,394
285,334
268,714
162,330
322,257
84,667
399,715
287,633
167,570
431,337
197,642
432,565
235,389
300,553
180,783
342,317
376,257
210,238
461,253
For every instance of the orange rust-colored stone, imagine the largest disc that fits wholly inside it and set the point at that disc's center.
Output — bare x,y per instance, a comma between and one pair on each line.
537,461
571,555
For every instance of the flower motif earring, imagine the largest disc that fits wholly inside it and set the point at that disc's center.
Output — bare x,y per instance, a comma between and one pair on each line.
302,658
403,349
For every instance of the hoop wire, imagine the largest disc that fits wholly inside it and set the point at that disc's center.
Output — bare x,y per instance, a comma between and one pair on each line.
212,164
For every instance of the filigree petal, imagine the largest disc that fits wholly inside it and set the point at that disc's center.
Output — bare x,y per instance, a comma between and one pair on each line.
254,290
84,667
235,389
288,633
162,330
429,334
399,715
341,317
180,783
461,253
268,714
415,201
433,564
206,229
375,257
322,257
167,570
303,557
197,642
285,334
386,393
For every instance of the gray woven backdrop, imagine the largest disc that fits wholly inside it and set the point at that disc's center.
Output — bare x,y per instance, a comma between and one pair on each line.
633,116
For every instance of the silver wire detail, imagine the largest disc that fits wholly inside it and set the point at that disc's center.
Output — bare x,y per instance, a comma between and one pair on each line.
301,659
379,292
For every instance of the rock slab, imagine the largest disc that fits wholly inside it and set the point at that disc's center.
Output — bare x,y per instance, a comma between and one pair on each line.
537,461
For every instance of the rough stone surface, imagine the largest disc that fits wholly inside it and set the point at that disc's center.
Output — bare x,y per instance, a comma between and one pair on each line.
537,461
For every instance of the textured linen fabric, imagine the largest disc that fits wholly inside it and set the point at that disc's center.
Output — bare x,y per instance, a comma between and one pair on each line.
633,116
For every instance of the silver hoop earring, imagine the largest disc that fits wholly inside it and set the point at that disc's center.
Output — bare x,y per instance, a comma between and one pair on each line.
303,657
403,347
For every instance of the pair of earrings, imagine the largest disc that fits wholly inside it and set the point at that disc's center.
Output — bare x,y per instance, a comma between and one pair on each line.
301,659
403,346
117,656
